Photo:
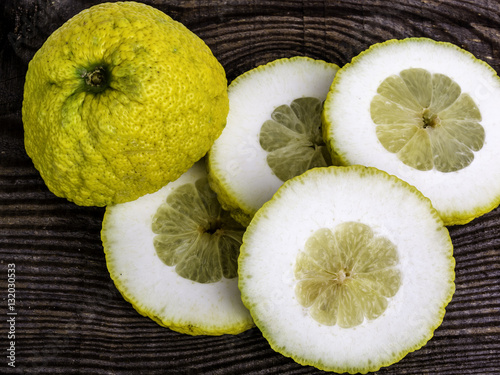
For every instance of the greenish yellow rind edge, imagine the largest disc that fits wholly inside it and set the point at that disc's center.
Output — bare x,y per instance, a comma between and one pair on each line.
241,212
457,218
321,366
242,215
174,326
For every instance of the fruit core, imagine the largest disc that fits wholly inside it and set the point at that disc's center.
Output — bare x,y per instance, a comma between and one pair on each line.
194,234
293,138
214,226
430,119
426,120
346,275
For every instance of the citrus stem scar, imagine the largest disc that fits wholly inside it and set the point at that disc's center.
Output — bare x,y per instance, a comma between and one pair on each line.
95,78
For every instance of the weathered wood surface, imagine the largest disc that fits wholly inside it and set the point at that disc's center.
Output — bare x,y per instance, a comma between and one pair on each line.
71,319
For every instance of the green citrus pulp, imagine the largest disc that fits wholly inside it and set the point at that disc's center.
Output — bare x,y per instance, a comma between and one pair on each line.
427,121
194,234
293,138
346,275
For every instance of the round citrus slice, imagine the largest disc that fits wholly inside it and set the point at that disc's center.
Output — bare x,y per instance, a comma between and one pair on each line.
426,112
273,132
347,269
173,255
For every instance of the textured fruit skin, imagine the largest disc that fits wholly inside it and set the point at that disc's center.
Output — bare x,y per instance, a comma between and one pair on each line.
163,105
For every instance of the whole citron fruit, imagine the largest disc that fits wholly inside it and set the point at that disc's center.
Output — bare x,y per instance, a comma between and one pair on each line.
118,102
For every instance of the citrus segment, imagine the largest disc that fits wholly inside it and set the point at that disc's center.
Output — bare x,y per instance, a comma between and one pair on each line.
194,234
346,275
172,254
293,138
433,122
411,108
273,132
359,273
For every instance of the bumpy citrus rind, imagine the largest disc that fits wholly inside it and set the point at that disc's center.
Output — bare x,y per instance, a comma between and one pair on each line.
165,104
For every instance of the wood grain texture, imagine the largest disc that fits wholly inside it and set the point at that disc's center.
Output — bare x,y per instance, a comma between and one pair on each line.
72,320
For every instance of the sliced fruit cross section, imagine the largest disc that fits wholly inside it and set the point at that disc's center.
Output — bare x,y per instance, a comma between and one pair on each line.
347,269
427,121
293,138
272,132
424,111
194,234
172,255
346,275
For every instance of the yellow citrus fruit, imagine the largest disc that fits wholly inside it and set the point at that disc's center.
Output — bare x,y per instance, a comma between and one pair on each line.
119,101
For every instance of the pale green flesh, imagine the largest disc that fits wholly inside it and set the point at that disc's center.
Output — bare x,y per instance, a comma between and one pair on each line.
194,234
293,138
346,275
427,121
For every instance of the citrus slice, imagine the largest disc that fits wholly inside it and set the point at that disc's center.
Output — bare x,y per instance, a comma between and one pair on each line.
273,132
173,255
347,269
426,112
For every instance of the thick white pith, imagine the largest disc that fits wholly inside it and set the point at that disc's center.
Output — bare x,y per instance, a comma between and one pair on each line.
236,158
156,289
394,210
352,132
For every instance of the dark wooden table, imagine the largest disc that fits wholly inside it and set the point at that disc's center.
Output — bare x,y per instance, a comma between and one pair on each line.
71,319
